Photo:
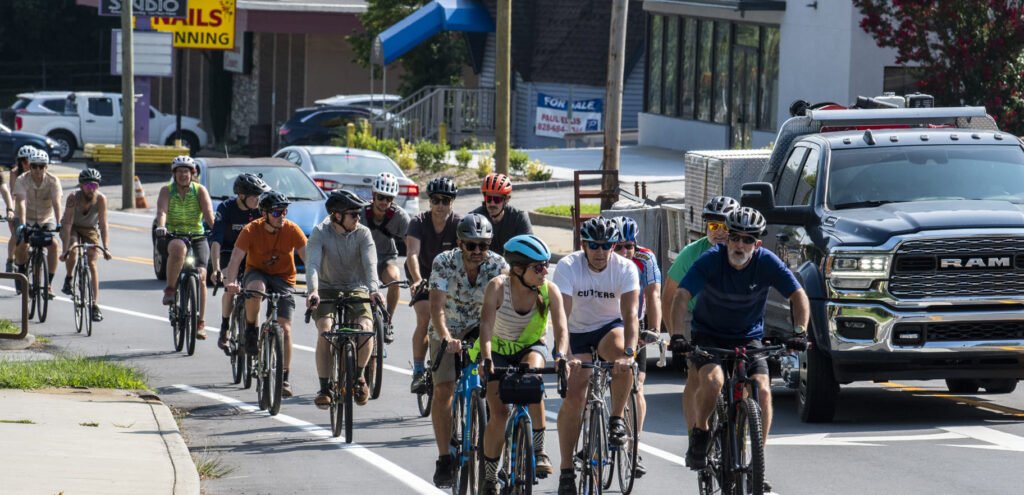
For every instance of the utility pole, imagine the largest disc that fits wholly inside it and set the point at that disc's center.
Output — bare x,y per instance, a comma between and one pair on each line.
613,97
127,109
503,85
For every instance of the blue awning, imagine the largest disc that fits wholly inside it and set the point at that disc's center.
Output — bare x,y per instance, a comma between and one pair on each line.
432,18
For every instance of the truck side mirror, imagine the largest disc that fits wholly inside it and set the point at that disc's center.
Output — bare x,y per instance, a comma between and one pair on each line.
759,196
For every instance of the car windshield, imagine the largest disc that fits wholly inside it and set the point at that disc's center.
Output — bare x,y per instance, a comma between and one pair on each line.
867,177
355,164
291,181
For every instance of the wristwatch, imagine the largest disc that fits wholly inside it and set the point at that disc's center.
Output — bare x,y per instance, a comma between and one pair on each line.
799,330
629,352
557,355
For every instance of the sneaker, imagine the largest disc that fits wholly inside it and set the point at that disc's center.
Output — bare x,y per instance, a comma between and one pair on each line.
201,330
696,454
323,399
22,269
97,315
767,486
419,385
9,267
389,334
251,341
222,342
544,467
617,431
67,286
567,484
168,296
639,470
443,472
361,394
286,389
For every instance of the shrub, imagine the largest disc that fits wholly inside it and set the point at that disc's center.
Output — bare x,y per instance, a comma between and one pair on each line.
463,157
484,166
365,140
537,172
405,156
431,157
517,160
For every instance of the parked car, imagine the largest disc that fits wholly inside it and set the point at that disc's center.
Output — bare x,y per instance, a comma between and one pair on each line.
40,102
333,168
218,176
12,141
366,100
92,117
319,125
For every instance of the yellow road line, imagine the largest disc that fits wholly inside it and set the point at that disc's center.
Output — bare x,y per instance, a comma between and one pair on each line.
128,227
980,404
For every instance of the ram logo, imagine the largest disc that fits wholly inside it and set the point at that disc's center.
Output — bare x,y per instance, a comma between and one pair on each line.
997,262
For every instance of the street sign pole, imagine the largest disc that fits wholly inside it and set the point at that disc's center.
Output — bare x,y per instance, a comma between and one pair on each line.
613,97
503,86
127,110
179,77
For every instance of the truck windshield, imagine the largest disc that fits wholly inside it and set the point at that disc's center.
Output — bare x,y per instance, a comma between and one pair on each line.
866,177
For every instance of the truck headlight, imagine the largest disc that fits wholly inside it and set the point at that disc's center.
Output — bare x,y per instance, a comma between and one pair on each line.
857,271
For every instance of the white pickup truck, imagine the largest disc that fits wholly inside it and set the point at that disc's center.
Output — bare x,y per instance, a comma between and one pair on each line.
93,117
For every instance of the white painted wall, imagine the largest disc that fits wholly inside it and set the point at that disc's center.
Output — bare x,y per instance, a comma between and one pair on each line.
679,134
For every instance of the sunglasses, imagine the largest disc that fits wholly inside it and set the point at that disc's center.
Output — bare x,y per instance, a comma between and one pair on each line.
625,246
353,214
443,200
381,197
748,240
89,186
495,200
279,213
539,268
602,246
38,166
473,246
716,226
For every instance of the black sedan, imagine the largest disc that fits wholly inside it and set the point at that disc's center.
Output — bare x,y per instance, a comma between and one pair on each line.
320,125
12,141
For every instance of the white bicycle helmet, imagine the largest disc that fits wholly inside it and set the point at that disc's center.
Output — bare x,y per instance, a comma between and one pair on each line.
39,156
26,151
183,161
385,184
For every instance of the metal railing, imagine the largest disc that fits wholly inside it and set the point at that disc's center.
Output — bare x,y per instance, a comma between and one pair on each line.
465,112
22,280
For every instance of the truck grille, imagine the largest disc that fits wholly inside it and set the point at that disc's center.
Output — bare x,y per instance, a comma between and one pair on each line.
967,331
959,267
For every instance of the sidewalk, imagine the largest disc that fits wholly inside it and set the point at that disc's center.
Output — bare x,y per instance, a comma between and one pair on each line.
91,441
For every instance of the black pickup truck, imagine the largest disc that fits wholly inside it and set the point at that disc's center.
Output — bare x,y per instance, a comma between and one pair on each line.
906,229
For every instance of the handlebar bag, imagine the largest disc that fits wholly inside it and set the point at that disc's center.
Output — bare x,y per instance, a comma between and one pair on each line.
520,388
41,239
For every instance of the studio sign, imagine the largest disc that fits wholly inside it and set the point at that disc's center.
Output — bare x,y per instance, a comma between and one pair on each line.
975,262
147,8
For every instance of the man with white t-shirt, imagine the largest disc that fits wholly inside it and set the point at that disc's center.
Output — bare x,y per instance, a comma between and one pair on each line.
600,293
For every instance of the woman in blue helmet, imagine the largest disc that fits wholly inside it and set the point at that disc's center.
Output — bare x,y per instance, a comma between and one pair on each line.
516,311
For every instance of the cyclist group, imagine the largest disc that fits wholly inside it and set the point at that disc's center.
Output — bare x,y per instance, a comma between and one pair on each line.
481,277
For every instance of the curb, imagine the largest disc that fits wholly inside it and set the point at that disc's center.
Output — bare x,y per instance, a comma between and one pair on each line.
532,186
186,476
545,220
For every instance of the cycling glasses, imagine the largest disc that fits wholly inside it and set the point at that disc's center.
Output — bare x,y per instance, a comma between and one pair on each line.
443,200
495,200
602,246
539,268
89,186
38,166
716,226
473,246
624,246
381,197
279,212
748,240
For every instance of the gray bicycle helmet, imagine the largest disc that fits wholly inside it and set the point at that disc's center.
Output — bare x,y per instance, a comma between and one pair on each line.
90,175
746,220
273,199
342,200
719,207
250,185
599,229
444,186
474,227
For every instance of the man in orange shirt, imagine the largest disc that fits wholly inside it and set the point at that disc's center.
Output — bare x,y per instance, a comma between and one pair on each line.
267,245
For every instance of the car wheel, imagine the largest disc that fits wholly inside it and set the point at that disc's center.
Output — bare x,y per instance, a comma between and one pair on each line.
999,385
66,144
190,140
818,389
962,385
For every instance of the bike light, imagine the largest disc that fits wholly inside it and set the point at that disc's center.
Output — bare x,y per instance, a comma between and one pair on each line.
190,260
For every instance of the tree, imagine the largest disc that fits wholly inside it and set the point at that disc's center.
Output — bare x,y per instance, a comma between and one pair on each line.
438,60
970,52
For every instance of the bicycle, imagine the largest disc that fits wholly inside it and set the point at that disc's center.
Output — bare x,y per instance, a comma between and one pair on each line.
735,457
39,239
384,334
469,418
425,397
344,349
183,313
268,367
82,296
241,361
519,465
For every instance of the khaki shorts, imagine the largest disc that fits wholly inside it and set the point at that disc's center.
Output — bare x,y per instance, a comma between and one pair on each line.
445,373
353,312
89,235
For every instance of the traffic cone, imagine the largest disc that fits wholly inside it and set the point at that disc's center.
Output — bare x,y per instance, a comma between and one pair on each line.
140,195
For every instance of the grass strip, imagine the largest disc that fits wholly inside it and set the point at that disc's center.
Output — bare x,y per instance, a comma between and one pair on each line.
7,326
69,371
563,210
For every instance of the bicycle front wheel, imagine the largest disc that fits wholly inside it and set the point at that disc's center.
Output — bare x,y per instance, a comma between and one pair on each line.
78,296
626,455
190,308
350,385
338,392
523,463
375,367
473,471
248,362
710,479
455,444
33,286
593,455
43,292
424,399
177,321
275,370
607,454
750,456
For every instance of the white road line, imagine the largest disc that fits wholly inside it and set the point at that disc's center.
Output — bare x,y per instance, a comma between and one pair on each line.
394,470
996,439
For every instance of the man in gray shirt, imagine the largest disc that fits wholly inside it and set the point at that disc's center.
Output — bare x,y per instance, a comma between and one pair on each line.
508,221
342,260
387,222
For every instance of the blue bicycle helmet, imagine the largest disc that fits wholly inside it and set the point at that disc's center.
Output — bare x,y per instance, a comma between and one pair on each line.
525,249
628,229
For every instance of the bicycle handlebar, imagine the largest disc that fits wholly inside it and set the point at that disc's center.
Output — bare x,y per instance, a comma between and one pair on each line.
523,369
466,345
648,337
743,352
401,283
86,245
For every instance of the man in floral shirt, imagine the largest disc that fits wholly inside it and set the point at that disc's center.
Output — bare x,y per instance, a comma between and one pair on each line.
457,281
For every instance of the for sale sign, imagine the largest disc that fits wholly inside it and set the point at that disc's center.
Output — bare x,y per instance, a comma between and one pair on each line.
210,25
147,8
553,116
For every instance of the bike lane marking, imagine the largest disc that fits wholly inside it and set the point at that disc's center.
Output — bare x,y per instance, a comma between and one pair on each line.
375,460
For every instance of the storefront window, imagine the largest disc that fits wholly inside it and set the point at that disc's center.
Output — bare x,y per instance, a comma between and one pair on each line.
721,95
654,65
706,37
769,86
671,89
689,75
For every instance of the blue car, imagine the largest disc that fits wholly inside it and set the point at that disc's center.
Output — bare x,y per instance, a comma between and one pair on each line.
218,176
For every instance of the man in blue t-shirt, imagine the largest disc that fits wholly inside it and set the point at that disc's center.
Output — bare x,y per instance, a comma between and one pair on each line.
733,280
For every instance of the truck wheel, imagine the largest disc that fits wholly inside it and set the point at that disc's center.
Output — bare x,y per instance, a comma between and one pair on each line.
190,140
816,394
962,385
1000,386
66,144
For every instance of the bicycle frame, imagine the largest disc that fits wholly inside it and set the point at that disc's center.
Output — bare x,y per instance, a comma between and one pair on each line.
467,382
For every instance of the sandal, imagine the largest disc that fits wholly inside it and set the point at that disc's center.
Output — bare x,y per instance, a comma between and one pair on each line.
361,394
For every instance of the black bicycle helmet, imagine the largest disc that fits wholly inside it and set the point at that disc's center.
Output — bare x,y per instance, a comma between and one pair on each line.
250,185
273,199
599,229
474,227
746,220
444,186
719,207
342,200
90,175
